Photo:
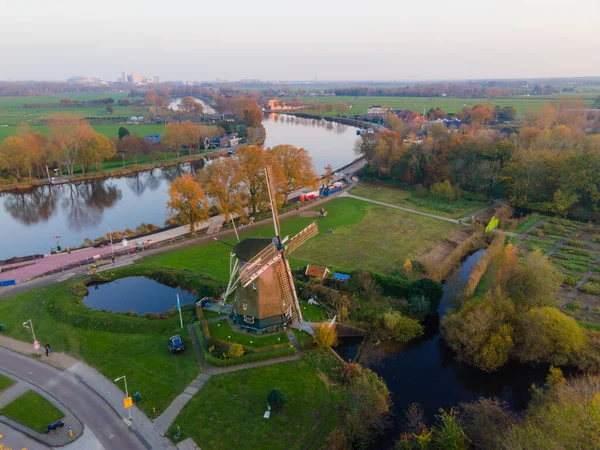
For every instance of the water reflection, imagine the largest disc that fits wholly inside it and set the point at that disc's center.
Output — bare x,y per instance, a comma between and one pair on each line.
30,220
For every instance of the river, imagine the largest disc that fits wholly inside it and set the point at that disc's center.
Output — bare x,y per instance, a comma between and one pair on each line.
427,372
29,220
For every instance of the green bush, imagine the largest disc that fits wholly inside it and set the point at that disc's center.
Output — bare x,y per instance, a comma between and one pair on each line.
235,351
276,399
402,328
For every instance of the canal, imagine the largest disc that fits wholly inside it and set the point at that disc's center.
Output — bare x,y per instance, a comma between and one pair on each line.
30,220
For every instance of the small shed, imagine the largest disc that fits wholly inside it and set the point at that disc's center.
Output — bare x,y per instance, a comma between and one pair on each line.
340,276
316,271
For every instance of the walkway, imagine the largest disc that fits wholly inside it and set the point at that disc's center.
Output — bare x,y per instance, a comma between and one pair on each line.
402,208
164,421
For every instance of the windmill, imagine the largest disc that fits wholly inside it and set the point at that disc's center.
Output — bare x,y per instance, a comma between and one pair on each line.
260,275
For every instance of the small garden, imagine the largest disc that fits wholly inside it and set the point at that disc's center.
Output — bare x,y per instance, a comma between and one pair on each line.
33,411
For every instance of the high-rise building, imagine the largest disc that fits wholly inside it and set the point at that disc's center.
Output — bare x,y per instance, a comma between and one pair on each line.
136,77
123,77
156,79
129,78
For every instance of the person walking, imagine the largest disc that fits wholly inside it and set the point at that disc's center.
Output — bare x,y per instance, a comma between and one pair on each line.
48,349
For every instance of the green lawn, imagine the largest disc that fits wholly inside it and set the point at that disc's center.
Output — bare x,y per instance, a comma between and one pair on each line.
227,413
408,199
313,313
114,344
5,382
33,411
222,331
366,236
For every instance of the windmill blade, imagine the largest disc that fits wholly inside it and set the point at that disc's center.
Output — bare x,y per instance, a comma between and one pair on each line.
289,299
302,237
257,265
271,189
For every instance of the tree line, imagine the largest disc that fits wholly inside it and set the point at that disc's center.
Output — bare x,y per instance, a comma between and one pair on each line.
551,164
228,185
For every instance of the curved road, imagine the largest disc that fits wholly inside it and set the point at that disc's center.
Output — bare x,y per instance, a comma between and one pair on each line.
93,411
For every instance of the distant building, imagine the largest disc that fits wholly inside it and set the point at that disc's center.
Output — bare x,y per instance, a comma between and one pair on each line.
157,79
376,112
129,78
136,77
85,80
123,77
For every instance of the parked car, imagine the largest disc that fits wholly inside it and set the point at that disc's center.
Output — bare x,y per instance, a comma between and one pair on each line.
176,344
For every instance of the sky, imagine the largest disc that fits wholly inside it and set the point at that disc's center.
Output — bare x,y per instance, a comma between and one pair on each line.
399,40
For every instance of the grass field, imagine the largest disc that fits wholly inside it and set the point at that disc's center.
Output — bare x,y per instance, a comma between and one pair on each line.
408,199
5,382
222,331
33,411
109,130
523,105
138,347
365,236
227,412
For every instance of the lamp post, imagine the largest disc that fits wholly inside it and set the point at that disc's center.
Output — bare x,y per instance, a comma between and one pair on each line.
124,378
112,248
33,334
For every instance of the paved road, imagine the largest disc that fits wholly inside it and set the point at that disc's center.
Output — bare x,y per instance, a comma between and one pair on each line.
101,419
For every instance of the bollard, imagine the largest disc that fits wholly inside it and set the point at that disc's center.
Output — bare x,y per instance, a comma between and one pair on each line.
70,431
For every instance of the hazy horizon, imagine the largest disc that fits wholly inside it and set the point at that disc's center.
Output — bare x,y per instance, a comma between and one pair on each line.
269,40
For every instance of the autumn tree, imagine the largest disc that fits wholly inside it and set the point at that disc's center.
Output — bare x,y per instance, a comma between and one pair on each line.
296,168
253,160
190,105
546,335
132,146
328,175
180,134
36,146
14,156
222,181
99,149
187,199
69,135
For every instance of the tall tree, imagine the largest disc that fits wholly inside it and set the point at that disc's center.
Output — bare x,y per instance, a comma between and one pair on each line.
253,160
222,181
69,135
187,199
296,168
123,132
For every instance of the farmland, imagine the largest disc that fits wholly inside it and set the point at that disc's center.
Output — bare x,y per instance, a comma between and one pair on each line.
523,105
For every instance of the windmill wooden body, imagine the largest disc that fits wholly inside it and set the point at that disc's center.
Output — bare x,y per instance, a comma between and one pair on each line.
260,277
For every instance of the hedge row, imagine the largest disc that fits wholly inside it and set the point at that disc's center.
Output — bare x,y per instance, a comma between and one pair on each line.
274,351
493,252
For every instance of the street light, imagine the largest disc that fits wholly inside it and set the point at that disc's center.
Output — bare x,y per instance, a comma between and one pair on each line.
126,392
111,243
32,332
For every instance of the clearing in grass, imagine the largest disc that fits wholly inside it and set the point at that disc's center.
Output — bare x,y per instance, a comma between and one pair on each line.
33,411
228,411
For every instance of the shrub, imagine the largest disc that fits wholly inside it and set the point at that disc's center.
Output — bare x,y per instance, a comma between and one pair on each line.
493,252
419,307
443,191
235,351
431,290
402,328
276,399
546,335
325,335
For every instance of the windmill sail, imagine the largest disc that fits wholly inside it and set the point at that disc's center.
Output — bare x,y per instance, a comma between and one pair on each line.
302,237
289,299
271,189
257,265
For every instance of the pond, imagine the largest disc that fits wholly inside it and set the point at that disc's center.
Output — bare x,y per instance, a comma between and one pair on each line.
427,372
29,220
138,294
